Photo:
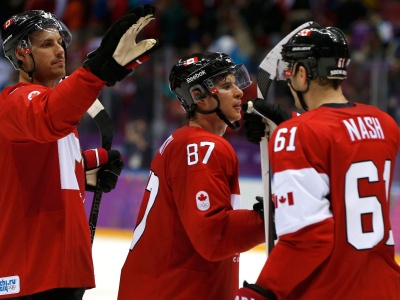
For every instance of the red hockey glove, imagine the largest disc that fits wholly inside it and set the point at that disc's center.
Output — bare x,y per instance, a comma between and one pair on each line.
104,165
118,52
253,122
253,292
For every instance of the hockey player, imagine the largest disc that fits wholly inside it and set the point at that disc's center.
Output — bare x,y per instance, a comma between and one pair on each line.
189,230
332,172
45,242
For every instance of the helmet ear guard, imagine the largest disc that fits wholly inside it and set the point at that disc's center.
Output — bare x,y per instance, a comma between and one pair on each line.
198,97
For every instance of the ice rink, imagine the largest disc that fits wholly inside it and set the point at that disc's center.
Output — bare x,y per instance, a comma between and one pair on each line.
109,253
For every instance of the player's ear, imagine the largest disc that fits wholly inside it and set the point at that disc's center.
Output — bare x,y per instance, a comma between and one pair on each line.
302,73
20,54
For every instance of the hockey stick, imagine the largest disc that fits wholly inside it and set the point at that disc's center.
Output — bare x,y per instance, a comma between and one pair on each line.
265,75
106,128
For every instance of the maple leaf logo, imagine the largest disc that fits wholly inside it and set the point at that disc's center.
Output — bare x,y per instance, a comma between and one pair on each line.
202,197
191,61
202,201
33,94
287,199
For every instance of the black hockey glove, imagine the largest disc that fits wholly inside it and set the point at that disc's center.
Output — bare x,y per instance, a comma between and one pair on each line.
259,206
109,174
255,127
104,165
253,122
118,52
255,292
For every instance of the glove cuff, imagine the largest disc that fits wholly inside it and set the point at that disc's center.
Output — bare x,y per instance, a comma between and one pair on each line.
94,158
107,70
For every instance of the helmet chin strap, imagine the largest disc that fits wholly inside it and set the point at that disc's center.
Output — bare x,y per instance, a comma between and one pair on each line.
300,94
235,125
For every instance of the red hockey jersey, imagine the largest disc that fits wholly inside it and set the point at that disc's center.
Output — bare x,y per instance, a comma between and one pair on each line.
44,233
332,168
189,234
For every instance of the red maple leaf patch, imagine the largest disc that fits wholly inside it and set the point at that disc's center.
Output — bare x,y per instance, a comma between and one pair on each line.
202,197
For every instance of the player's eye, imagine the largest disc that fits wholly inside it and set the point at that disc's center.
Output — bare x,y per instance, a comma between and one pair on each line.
45,44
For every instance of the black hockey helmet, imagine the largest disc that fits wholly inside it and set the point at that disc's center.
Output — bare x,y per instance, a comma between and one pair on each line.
322,51
16,31
198,71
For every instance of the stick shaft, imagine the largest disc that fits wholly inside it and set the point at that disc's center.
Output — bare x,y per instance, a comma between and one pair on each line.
95,209
106,128
266,183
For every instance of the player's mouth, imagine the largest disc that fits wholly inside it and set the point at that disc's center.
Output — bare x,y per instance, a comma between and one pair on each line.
59,62
238,106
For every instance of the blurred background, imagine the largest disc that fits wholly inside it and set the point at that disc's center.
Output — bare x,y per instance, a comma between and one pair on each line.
144,110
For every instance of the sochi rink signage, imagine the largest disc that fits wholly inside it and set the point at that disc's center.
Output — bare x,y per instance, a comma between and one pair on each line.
9,285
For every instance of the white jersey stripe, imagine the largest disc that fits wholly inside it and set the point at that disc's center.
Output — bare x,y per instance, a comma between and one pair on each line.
308,203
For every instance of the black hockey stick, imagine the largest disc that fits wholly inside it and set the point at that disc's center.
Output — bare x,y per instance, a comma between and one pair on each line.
106,128
265,75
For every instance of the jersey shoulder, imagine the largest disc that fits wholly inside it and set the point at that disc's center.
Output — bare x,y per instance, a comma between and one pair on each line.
23,89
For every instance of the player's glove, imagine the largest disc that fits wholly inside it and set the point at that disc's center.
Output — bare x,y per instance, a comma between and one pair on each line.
109,174
118,52
103,165
259,206
253,122
254,292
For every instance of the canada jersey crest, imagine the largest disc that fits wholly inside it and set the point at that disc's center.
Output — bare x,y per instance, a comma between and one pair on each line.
202,200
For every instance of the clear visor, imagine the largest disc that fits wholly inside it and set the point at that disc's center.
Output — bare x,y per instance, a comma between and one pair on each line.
49,26
242,77
284,69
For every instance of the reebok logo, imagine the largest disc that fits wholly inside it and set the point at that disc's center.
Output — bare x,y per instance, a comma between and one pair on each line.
195,76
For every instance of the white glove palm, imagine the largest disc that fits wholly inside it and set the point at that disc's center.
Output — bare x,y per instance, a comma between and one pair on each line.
118,52
127,49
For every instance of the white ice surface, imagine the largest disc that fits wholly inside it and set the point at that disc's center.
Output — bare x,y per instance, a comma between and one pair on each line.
109,254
